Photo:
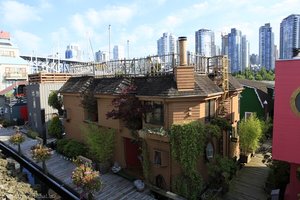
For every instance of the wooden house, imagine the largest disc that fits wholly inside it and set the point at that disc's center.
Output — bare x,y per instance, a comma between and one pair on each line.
177,97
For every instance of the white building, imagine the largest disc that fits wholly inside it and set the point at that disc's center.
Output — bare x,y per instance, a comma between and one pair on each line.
13,68
166,45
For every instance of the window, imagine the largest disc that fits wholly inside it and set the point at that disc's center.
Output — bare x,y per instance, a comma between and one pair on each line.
248,114
155,115
297,102
209,151
160,158
157,157
67,114
209,110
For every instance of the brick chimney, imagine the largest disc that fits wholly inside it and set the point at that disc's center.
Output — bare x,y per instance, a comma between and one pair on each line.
184,74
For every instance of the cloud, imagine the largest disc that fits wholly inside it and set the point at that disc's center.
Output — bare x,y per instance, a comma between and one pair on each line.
16,13
26,40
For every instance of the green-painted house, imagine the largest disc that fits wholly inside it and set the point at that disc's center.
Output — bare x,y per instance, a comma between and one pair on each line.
257,97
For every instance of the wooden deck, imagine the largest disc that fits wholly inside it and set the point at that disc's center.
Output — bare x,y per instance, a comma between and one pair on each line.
114,187
250,181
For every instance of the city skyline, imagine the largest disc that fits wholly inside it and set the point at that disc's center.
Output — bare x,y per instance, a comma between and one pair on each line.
43,28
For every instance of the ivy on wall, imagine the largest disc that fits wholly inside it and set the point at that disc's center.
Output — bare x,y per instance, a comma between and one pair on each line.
188,142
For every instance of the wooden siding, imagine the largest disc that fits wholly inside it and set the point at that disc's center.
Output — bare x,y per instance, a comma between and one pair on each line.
185,78
185,111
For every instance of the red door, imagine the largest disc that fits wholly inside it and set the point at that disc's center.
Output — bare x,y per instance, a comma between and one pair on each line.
131,153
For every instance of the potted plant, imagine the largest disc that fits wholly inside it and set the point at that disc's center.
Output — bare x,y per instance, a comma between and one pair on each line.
17,139
41,153
250,132
87,179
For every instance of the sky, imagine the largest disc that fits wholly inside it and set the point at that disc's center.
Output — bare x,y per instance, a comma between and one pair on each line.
45,27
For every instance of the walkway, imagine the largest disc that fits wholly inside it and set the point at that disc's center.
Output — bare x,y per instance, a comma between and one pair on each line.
115,187
250,181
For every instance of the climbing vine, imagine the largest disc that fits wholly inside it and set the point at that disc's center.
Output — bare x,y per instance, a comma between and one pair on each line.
146,161
187,144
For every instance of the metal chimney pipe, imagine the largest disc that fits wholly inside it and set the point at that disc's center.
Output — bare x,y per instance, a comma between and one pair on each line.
182,50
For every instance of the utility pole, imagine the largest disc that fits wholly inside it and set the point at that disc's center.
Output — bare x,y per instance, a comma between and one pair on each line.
109,42
127,49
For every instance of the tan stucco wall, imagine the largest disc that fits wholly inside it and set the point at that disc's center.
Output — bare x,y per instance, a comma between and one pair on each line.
73,126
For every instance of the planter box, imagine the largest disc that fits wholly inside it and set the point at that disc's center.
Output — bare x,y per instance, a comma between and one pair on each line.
245,158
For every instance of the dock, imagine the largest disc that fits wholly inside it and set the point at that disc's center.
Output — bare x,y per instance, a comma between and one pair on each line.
114,187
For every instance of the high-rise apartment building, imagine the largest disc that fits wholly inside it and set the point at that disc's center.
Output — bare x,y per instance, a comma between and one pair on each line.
205,43
245,53
118,52
166,45
235,50
289,36
266,47
224,49
100,56
73,52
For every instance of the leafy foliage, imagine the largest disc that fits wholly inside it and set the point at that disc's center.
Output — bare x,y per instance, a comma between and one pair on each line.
146,161
222,123
212,131
55,102
188,186
187,144
221,170
32,134
100,142
250,132
40,153
88,179
89,103
55,128
128,108
70,148
262,74
279,175
17,138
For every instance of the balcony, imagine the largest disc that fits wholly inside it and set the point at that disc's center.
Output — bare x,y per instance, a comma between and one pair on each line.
15,76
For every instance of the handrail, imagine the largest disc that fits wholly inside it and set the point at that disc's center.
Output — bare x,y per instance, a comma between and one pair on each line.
58,186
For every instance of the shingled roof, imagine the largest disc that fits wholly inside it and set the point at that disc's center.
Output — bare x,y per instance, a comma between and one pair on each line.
164,86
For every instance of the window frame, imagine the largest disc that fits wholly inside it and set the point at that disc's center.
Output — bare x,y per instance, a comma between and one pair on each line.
150,116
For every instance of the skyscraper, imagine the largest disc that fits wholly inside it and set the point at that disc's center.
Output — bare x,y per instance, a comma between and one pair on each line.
118,52
224,50
166,45
101,56
266,47
205,43
73,52
235,50
245,53
289,36
238,50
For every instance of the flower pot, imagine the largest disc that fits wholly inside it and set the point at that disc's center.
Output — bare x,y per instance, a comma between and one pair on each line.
245,158
104,167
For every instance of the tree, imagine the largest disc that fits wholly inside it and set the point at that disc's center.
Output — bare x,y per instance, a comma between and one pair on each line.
17,139
55,128
250,131
55,101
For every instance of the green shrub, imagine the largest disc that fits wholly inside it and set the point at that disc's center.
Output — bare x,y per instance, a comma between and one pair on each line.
189,186
61,145
70,148
250,132
32,134
55,128
100,142
73,149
